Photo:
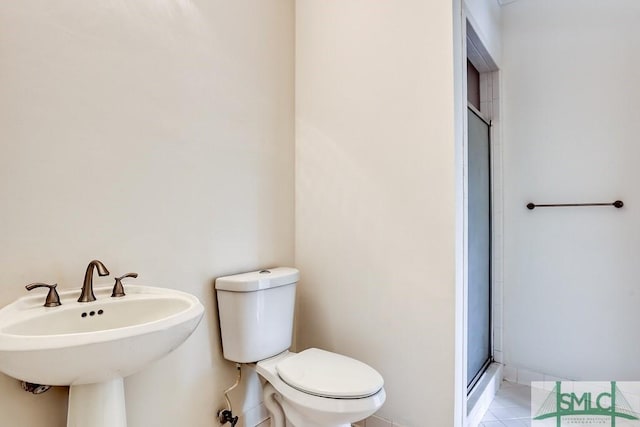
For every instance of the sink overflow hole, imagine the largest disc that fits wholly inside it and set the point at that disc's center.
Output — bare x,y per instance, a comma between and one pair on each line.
91,313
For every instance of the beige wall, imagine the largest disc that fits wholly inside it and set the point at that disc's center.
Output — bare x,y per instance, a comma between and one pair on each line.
157,136
375,194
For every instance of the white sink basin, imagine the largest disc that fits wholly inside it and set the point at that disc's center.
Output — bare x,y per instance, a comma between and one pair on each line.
92,346
94,342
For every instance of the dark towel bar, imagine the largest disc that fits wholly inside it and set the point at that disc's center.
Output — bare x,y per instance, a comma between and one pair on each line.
618,204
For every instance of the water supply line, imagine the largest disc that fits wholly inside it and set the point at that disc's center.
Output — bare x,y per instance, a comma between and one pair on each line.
226,415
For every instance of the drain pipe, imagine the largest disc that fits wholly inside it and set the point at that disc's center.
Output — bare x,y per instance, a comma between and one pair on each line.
226,415
35,388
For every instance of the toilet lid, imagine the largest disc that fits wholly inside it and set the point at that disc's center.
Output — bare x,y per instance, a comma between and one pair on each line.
327,374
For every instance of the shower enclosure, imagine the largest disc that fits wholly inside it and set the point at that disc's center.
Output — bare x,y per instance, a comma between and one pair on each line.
479,248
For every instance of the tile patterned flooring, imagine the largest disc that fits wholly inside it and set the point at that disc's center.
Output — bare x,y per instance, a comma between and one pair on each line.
510,408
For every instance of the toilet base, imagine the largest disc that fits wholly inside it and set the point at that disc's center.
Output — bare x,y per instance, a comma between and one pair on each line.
279,409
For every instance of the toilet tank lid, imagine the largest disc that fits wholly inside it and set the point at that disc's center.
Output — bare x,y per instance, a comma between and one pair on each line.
258,280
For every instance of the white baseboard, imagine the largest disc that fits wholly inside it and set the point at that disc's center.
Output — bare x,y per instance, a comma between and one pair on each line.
375,421
526,376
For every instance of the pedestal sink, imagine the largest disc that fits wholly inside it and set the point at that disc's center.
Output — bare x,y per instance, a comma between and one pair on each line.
92,346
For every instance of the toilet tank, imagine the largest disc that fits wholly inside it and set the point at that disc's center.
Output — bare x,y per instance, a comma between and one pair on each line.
256,313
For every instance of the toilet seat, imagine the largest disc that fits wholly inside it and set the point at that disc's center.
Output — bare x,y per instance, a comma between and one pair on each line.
326,374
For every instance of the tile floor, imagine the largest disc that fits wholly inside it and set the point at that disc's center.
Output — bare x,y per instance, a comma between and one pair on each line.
510,408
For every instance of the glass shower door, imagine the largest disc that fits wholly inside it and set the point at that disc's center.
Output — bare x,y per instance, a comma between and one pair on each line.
479,249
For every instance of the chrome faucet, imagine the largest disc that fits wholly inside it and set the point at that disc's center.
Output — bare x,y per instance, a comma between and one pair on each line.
87,287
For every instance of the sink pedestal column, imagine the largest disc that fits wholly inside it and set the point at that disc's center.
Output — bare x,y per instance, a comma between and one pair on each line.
97,405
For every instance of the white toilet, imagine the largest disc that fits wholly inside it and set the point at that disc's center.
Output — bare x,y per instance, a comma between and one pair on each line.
313,388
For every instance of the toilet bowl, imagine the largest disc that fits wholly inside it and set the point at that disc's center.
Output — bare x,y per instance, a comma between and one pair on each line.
314,395
313,388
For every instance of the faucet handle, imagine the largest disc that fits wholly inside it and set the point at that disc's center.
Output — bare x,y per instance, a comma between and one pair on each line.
118,289
53,299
